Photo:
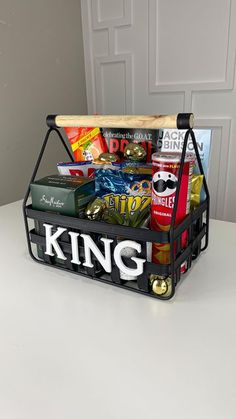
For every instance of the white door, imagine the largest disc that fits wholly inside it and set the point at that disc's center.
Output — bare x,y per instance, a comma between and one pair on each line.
168,56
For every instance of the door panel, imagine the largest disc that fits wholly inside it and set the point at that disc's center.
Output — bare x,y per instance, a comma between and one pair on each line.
162,56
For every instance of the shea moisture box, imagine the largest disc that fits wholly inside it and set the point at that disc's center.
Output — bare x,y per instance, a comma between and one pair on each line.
66,195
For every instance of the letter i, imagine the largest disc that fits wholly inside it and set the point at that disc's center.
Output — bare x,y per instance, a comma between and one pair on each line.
74,247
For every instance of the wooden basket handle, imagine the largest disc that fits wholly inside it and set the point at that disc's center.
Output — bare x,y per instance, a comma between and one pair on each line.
180,121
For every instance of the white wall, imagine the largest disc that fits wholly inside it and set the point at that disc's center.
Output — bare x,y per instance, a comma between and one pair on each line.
166,56
41,72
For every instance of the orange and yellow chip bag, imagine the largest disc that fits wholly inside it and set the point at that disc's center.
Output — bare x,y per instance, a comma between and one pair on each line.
87,143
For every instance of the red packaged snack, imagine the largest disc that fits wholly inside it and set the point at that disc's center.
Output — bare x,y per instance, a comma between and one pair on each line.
83,168
87,143
164,183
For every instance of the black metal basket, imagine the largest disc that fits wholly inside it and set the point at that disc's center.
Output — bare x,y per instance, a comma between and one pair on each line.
196,224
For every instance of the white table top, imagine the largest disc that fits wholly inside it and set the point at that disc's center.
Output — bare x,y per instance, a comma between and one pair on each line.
74,348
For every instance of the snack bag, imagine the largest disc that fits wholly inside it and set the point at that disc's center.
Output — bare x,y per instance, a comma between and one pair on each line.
87,143
136,167
196,191
124,192
83,168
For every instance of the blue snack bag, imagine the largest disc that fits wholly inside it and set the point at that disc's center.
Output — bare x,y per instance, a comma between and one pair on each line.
125,192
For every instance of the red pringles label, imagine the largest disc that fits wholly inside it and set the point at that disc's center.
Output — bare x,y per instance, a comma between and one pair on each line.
164,184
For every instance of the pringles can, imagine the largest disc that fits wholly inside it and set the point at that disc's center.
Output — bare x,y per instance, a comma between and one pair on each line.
165,173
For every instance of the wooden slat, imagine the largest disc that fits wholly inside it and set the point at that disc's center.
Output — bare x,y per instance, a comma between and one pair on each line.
125,121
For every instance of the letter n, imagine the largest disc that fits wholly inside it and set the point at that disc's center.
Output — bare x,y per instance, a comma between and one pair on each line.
90,246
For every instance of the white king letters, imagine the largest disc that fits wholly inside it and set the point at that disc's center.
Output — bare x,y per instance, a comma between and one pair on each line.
90,247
